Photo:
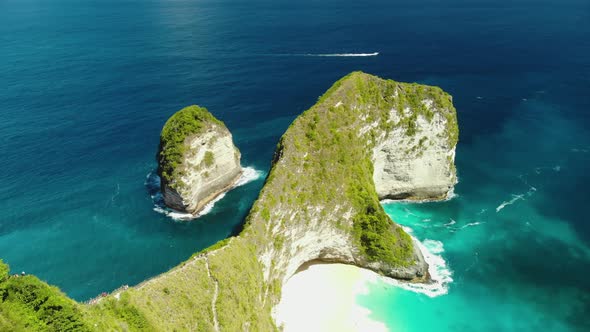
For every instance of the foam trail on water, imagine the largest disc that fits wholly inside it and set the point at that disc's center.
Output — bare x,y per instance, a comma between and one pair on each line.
343,54
510,202
152,183
472,224
450,223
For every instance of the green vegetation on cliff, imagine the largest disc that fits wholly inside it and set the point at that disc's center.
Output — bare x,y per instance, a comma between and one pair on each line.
321,179
28,304
326,153
187,122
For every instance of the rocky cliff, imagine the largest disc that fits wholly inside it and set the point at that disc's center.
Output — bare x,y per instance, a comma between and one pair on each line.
366,138
416,163
197,159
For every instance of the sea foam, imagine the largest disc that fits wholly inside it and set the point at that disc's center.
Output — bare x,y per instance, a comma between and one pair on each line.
152,183
440,274
475,223
510,202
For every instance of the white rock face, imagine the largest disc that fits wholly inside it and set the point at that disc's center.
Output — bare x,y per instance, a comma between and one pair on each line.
211,166
320,241
415,167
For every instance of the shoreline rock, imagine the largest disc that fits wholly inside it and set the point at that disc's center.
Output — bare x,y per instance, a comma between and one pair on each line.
198,160
366,138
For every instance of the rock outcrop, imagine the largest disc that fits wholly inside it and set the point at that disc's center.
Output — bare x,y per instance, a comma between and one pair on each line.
419,166
197,159
366,138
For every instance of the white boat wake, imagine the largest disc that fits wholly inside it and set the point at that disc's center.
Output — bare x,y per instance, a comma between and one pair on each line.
343,54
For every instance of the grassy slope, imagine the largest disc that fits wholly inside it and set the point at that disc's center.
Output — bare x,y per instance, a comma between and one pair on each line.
324,145
189,121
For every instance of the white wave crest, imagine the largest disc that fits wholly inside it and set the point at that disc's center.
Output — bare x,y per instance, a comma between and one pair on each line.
249,174
176,215
451,222
440,274
407,229
450,195
343,54
434,246
510,202
472,224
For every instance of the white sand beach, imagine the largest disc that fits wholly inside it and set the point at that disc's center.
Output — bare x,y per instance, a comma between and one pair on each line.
323,298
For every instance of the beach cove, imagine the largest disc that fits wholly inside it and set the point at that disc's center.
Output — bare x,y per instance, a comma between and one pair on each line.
83,109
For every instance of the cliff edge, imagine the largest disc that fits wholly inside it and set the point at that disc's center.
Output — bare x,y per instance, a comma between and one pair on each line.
197,159
366,138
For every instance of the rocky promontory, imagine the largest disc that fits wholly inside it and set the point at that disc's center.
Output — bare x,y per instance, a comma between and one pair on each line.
197,159
365,139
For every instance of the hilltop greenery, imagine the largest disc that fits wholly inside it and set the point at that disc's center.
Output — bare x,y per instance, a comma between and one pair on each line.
321,170
28,304
187,122
326,162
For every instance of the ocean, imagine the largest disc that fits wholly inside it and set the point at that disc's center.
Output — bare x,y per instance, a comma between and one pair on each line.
87,86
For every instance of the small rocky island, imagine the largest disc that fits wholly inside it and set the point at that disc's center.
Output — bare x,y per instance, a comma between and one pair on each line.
364,140
197,159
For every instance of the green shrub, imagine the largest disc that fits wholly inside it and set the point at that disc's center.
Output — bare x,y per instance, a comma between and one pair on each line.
4,271
33,305
188,121
209,158
125,312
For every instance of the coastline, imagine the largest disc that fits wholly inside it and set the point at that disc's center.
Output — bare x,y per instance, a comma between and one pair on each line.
322,297
247,175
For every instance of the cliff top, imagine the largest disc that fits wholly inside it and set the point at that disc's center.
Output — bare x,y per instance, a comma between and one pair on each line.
187,122
319,201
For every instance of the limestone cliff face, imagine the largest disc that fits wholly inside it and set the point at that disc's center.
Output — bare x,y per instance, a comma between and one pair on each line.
207,165
417,167
365,139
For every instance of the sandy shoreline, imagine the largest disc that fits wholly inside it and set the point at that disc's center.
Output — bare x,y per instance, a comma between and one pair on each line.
322,297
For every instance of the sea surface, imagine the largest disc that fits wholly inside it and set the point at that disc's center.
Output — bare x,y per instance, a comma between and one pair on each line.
86,86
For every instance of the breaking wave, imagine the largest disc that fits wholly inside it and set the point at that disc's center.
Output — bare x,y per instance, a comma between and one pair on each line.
249,174
450,195
152,183
440,274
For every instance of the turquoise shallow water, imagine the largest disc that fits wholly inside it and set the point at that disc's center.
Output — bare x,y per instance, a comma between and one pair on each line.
518,264
88,84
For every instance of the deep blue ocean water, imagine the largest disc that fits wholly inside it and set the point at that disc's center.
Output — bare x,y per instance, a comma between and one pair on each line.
87,85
